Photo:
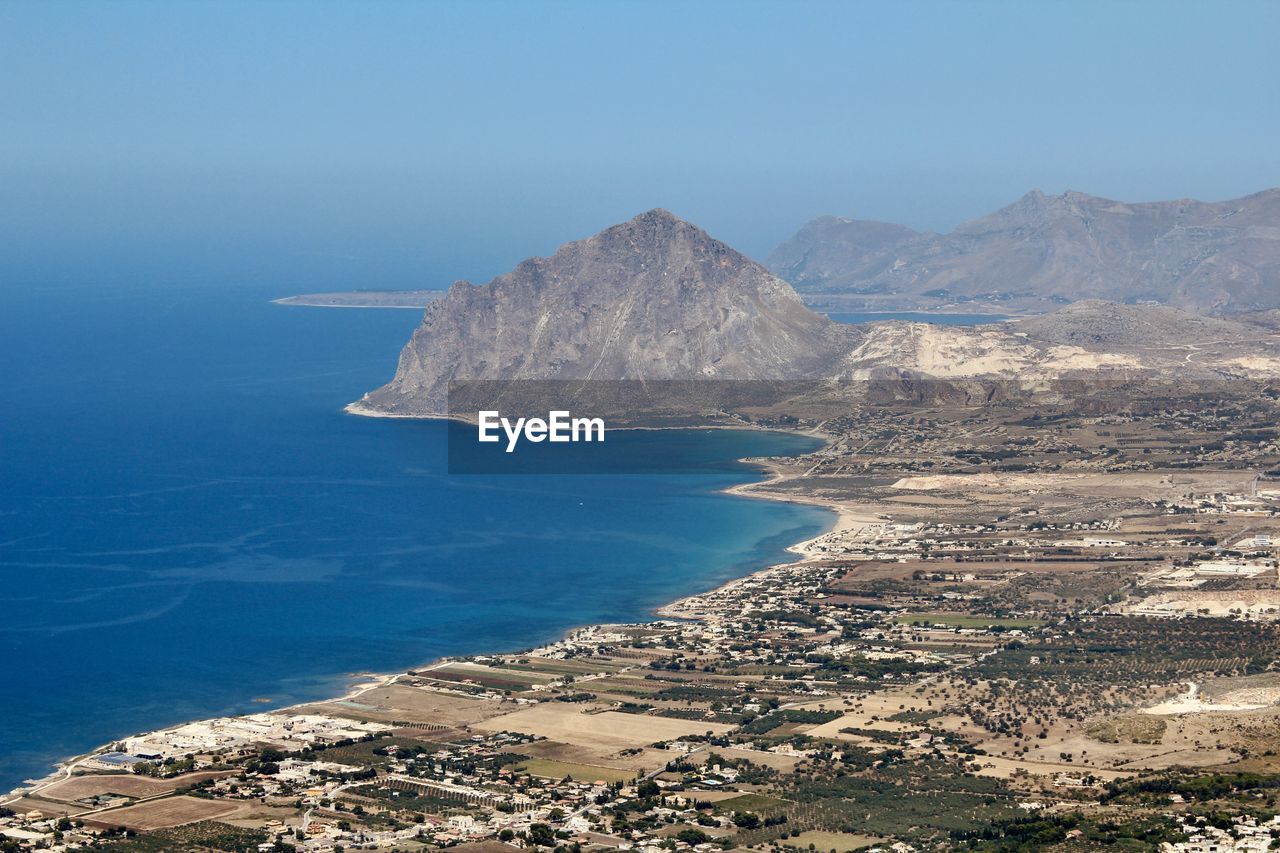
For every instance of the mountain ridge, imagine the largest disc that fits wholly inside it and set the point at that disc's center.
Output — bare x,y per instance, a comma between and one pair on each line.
1042,251
657,298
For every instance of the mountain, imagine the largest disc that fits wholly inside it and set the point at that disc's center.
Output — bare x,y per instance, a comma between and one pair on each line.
1092,323
654,298
823,248
657,298
1043,251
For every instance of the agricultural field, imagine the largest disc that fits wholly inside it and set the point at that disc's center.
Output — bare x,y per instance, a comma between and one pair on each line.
166,812
550,769
491,677
403,702
965,620
749,803
823,842
125,785
594,727
206,835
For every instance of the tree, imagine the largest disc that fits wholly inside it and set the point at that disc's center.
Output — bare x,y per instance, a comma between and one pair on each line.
542,835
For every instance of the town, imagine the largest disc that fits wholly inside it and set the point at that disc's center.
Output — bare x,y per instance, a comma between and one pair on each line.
1023,632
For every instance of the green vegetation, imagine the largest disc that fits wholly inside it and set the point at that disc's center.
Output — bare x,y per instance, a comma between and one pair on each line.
1129,728
1038,833
1130,649
769,722
965,620
408,802
1210,786
376,753
796,617
749,803
205,835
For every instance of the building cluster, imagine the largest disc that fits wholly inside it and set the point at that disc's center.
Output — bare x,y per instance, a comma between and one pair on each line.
1244,835
283,731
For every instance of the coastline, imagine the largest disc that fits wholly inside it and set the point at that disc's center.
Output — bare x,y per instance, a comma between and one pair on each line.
416,300
848,516
681,608
358,408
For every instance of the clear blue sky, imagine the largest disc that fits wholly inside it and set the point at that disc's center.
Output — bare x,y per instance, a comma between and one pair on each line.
402,144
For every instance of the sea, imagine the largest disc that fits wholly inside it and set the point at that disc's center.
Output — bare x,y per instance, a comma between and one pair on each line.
191,526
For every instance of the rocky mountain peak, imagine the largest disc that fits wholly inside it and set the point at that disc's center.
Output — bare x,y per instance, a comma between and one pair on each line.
652,298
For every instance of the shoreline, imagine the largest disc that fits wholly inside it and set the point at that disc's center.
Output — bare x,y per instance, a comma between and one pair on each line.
359,409
415,300
845,519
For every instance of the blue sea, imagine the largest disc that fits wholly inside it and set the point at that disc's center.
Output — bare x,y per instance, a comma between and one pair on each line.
190,524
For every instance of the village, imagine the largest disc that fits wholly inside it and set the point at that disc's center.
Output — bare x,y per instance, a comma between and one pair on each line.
967,656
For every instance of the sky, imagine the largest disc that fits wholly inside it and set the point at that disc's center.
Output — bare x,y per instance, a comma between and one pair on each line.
312,146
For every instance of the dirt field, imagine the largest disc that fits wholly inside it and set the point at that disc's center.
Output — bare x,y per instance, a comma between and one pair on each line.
170,811
1005,768
780,762
549,769
624,684
488,676
126,785
838,841
80,787
568,753
409,704
559,667
607,731
48,808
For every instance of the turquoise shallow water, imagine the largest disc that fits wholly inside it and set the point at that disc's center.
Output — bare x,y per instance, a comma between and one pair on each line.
188,521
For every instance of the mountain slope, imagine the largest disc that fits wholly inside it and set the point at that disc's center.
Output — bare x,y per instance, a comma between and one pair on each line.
1094,323
824,248
1042,251
653,298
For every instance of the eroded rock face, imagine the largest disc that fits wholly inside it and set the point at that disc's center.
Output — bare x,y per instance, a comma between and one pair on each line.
1043,251
652,298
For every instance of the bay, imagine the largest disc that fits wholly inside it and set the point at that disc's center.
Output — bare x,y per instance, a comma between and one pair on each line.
190,525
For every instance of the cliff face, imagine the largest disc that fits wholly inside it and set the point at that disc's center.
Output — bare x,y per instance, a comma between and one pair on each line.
1043,251
652,298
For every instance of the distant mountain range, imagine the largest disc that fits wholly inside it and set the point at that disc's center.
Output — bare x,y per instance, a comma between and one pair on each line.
1045,251
657,298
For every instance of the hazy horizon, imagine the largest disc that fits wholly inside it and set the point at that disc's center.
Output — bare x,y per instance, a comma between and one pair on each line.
327,146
